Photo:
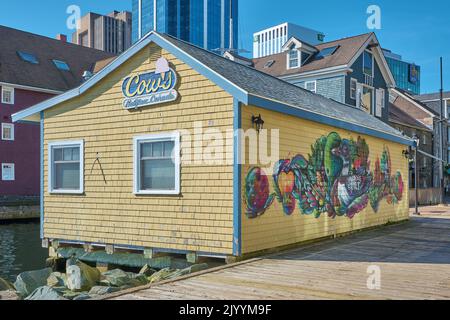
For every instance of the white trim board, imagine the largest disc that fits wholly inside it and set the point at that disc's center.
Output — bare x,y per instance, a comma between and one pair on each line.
30,88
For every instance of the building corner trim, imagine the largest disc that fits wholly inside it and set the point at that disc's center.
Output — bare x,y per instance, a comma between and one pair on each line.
41,194
237,168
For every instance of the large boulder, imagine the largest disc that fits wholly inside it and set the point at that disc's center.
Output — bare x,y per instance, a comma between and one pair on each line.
45,293
71,295
138,279
83,296
161,275
120,278
167,274
192,269
57,279
147,271
101,291
9,295
56,263
81,277
6,285
29,281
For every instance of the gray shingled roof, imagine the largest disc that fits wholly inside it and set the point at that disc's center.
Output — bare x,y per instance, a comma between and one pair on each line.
432,96
45,74
261,84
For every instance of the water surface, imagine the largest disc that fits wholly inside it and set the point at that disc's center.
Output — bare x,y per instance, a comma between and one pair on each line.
20,249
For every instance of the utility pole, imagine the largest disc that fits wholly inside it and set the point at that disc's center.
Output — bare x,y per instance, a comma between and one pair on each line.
441,133
416,176
231,46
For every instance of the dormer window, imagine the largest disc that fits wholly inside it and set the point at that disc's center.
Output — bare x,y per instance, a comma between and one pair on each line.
294,58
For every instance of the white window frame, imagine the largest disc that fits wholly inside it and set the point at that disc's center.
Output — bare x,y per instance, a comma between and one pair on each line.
315,85
289,59
11,90
59,144
172,136
373,64
11,127
353,80
13,171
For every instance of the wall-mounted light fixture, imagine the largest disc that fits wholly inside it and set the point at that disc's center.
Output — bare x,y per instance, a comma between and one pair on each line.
257,123
407,153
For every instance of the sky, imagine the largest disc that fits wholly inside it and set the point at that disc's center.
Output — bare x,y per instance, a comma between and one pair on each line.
418,30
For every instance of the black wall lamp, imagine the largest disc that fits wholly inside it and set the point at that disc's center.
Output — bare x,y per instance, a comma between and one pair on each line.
257,123
408,154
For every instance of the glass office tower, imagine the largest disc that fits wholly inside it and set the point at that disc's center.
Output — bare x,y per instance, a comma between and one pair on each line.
406,75
211,24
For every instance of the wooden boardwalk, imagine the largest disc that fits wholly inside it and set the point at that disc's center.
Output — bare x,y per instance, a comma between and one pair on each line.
413,257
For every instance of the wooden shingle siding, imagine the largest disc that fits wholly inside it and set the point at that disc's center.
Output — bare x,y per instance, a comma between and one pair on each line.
274,228
201,219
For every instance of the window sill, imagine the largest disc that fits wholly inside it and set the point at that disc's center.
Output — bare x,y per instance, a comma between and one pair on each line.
157,193
68,192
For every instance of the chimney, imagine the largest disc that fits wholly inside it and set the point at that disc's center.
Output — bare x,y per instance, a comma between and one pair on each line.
61,37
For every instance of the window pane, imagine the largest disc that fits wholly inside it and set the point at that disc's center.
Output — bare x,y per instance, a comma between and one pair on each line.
66,176
67,154
157,149
146,150
76,154
168,148
367,63
57,154
7,132
157,175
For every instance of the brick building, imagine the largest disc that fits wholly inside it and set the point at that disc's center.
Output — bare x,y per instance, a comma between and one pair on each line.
33,68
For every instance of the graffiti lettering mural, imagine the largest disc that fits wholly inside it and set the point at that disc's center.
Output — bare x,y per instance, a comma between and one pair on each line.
334,180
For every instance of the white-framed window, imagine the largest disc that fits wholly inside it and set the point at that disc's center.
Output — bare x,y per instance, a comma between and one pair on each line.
424,139
7,95
311,86
8,131
353,86
8,173
368,63
157,164
66,167
293,58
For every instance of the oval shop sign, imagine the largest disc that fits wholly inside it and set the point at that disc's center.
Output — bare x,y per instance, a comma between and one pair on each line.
150,88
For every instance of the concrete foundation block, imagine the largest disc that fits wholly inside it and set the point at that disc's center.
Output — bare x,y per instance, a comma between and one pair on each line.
192,257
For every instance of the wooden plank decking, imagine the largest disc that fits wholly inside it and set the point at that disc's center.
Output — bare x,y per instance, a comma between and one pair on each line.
414,259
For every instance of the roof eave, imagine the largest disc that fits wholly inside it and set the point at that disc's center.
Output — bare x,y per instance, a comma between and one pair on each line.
327,120
227,85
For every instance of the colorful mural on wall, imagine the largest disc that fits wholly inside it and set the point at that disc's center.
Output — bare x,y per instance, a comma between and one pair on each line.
334,180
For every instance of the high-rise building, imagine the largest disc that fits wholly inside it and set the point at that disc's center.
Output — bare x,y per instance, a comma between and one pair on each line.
210,24
270,41
406,74
110,33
